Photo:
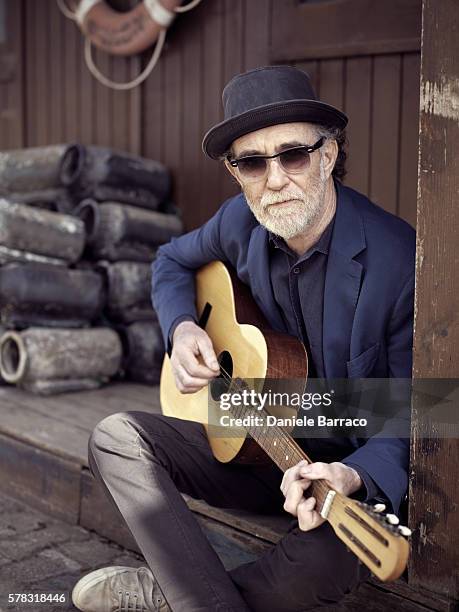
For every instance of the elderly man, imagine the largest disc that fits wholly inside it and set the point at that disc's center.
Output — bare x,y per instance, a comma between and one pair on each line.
324,264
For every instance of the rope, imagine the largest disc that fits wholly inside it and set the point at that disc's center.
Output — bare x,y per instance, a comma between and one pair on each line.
159,13
94,70
65,10
131,84
187,7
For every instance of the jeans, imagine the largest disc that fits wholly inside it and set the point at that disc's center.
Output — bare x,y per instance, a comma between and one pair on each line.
144,461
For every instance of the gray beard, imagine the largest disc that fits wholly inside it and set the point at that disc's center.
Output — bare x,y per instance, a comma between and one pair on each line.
292,219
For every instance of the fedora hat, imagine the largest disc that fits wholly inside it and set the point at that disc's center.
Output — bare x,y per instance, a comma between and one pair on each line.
267,96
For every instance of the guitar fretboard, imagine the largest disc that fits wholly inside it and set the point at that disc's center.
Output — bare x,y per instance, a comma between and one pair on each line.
277,443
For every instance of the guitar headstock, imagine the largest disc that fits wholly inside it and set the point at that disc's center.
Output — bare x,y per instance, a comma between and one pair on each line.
376,538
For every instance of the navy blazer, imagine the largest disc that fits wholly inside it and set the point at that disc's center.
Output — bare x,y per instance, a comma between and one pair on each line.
368,300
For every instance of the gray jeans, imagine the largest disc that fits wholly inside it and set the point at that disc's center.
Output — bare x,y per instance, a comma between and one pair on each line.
143,461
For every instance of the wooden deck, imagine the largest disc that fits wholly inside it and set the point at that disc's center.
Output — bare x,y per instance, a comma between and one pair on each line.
61,424
43,446
43,461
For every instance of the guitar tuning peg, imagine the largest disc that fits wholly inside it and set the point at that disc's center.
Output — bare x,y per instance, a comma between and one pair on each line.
392,519
379,507
405,531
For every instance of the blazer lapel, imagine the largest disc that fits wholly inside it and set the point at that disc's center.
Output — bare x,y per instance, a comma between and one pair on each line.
260,278
342,284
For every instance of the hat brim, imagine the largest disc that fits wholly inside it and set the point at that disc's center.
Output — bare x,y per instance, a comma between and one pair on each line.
219,138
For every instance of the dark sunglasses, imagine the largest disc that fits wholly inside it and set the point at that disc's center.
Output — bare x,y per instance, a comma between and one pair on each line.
293,161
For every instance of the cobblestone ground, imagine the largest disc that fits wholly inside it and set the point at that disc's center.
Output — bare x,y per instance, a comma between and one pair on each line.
39,554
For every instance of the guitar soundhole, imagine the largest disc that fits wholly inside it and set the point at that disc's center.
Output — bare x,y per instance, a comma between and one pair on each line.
222,383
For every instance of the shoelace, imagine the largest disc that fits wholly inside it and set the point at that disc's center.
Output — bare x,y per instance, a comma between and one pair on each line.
124,599
127,602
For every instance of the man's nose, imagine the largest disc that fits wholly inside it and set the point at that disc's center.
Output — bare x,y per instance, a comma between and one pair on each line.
276,179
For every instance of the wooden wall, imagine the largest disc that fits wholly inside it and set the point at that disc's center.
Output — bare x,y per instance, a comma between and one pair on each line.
51,96
434,494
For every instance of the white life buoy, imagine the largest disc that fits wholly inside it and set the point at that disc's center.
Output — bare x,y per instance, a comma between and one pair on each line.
125,33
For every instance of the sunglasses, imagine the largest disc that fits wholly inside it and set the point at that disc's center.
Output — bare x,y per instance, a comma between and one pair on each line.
292,161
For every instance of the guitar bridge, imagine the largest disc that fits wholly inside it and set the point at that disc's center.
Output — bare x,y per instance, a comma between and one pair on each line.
327,504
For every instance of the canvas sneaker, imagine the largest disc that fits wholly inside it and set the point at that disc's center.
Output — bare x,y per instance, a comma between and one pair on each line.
119,589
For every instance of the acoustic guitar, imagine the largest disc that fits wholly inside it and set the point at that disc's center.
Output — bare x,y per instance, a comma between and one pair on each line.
247,350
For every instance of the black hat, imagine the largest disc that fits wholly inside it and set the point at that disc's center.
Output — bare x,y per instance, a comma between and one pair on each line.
267,96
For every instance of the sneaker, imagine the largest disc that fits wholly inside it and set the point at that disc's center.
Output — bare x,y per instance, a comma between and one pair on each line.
119,589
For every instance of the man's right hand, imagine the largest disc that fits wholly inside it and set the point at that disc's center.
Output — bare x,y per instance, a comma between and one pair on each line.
193,358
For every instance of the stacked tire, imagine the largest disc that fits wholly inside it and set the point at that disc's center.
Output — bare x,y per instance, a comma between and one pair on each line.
75,286
32,176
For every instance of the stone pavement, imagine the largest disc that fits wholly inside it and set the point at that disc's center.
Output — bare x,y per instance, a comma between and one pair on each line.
39,554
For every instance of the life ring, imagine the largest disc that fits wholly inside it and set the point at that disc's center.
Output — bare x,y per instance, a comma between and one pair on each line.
125,33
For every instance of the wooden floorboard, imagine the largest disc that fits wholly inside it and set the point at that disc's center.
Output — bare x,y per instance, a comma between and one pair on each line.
61,424
41,479
46,408
44,432
86,408
104,401
142,394
270,528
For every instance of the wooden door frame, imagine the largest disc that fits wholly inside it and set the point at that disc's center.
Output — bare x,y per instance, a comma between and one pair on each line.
434,498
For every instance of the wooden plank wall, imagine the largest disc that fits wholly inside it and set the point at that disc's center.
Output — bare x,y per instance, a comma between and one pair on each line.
380,95
167,117
434,509
63,103
11,79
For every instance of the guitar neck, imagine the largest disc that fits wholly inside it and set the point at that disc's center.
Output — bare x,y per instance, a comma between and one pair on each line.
376,544
279,445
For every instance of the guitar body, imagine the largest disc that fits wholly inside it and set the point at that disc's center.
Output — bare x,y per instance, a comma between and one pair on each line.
246,348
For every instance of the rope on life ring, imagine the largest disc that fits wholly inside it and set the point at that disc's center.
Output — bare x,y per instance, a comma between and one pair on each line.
187,7
65,9
156,12
94,70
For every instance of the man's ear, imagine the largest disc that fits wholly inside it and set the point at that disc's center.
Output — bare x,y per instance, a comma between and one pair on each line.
329,155
233,171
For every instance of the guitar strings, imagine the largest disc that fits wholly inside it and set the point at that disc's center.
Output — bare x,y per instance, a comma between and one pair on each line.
339,505
320,489
319,485
292,444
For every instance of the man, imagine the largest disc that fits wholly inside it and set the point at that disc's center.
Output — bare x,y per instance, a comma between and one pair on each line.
324,264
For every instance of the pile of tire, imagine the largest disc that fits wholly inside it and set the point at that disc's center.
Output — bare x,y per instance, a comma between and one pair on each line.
79,228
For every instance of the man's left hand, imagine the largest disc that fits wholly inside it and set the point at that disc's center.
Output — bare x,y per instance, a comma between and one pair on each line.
297,479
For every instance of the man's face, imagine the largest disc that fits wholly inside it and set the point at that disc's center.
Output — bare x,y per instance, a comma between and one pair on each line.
286,204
